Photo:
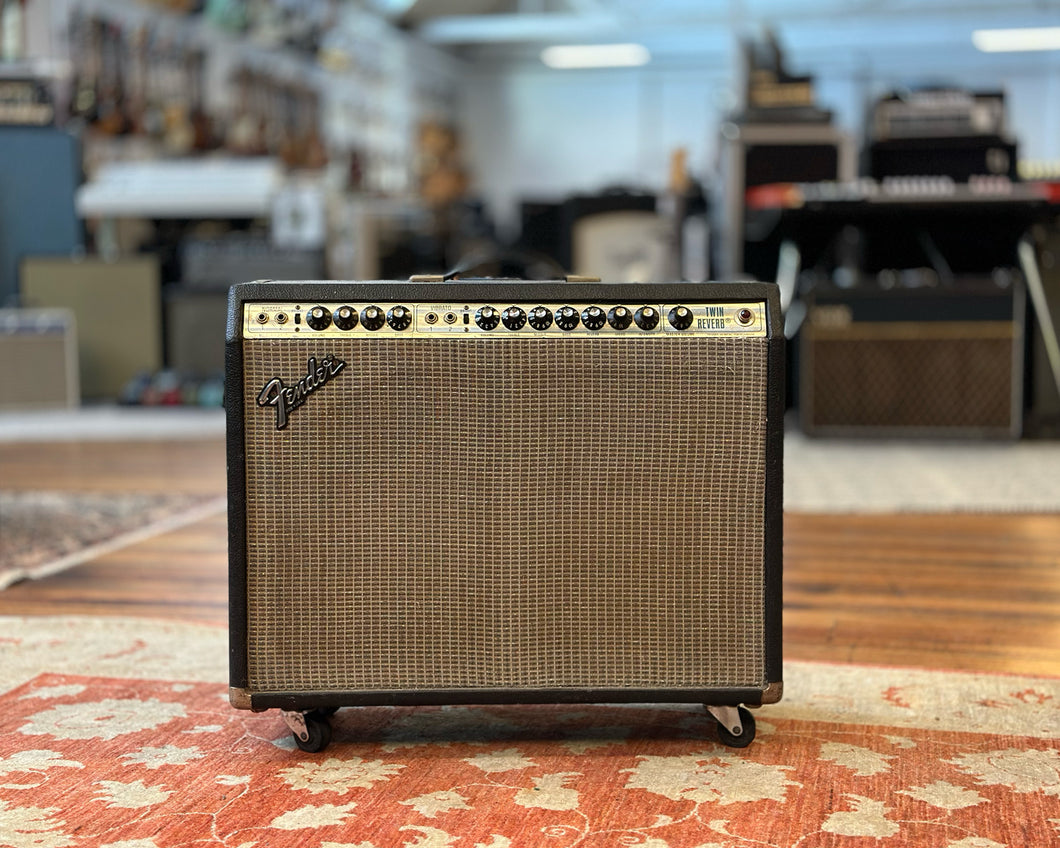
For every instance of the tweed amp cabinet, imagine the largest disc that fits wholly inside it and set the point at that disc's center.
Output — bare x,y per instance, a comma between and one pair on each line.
501,491
41,344
916,362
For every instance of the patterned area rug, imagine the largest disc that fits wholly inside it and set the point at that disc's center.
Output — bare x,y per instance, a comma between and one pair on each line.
47,532
117,733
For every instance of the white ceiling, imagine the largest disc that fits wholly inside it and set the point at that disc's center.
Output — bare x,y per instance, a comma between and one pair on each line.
816,34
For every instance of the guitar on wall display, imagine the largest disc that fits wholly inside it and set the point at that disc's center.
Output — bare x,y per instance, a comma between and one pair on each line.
111,118
242,135
85,55
199,119
315,155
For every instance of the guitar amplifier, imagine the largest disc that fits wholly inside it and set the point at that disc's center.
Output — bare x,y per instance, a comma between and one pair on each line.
502,491
39,348
922,362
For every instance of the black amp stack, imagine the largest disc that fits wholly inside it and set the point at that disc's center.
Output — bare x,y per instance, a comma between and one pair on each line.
940,132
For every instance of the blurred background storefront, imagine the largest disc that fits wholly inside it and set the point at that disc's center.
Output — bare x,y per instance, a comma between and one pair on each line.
894,165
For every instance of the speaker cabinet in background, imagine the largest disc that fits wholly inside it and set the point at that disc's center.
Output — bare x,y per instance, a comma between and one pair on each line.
622,245
38,348
118,306
504,491
920,362
195,323
960,157
756,154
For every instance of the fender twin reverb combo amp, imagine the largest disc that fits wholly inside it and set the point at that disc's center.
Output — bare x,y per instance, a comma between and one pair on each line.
500,491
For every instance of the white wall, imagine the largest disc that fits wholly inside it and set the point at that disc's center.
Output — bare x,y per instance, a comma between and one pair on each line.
539,134
536,133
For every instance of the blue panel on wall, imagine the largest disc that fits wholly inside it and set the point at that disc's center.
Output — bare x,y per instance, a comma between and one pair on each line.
40,170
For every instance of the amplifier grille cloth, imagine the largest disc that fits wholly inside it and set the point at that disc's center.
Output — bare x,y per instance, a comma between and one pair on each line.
461,513
913,383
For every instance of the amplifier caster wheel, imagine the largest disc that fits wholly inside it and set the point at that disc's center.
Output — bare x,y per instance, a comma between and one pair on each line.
311,731
736,725
319,733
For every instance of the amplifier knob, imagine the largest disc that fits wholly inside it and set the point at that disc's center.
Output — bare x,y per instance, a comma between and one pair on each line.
372,318
487,318
567,318
318,318
540,318
647,317
680,317
399,318
345,318
619,317
513,318
594,318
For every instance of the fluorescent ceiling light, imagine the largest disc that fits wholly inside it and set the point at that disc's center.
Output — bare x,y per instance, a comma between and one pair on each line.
595,56
1017,40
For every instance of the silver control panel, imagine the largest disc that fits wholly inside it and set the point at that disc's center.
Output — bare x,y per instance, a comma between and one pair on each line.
502,320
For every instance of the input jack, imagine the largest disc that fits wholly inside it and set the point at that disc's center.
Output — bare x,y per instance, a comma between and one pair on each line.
263,318
281,317
431,317
450,317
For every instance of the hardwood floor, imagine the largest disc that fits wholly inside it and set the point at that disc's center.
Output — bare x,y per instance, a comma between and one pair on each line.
974,592
943,591
193,466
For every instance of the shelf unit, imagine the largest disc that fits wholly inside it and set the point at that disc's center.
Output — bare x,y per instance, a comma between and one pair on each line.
375,84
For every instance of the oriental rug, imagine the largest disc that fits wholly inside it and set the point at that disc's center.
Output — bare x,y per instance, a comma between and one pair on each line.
43,533
117,733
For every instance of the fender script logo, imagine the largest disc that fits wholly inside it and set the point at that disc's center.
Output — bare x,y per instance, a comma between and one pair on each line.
288,398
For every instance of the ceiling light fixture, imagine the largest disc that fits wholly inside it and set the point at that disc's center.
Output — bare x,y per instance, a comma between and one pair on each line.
1017,40
569,56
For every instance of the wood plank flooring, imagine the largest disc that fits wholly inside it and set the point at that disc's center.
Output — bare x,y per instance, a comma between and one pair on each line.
973,592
